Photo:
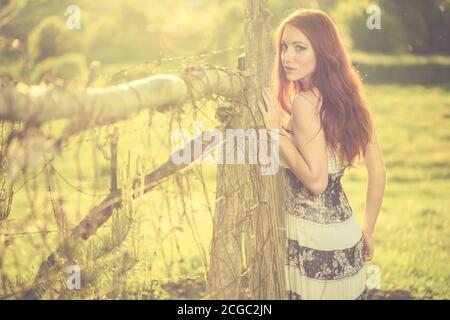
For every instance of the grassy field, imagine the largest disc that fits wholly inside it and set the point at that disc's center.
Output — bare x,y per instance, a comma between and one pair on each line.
412,236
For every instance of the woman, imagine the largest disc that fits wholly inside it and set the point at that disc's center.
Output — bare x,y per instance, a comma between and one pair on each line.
329,128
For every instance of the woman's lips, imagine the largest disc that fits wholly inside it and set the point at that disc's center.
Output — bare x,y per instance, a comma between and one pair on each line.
288,69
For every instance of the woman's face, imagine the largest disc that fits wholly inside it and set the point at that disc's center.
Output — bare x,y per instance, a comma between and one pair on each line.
297,55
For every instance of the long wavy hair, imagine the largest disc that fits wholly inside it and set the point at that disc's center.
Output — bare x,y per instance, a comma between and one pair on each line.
344,114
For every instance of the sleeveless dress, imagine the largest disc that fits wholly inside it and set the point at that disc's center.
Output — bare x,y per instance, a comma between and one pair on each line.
324,249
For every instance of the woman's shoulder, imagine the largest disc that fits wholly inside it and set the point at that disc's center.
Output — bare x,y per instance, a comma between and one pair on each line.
306,103
309,98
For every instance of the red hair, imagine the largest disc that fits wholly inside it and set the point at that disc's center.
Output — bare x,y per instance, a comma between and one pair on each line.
344,114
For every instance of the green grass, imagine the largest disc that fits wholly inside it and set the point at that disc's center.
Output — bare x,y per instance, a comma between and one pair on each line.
405,69
411,238
402,59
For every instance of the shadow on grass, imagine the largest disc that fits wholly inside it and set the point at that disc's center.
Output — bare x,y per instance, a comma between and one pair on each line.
194,288
389,295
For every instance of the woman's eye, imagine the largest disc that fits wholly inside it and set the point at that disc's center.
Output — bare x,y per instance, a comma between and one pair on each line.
298,48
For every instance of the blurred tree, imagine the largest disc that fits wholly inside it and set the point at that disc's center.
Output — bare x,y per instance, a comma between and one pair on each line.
52,38
120,35
68,68
9,9
407,26
31,13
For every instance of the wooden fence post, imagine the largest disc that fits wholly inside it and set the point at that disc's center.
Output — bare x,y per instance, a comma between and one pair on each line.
248,236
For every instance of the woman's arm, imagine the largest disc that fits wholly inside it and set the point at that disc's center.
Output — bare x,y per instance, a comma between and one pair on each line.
376,171
310,165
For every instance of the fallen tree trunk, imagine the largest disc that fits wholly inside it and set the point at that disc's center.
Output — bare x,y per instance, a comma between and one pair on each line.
38,104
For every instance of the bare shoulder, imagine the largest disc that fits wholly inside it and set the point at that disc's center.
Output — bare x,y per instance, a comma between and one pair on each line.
305,114
307,101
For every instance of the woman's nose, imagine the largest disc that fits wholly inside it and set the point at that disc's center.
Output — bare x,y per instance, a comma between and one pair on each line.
288,55
287,61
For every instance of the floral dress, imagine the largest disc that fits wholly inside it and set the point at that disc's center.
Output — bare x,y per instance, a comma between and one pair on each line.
324,252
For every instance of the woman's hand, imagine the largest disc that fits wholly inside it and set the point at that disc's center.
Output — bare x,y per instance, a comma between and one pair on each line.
271,115
368,245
